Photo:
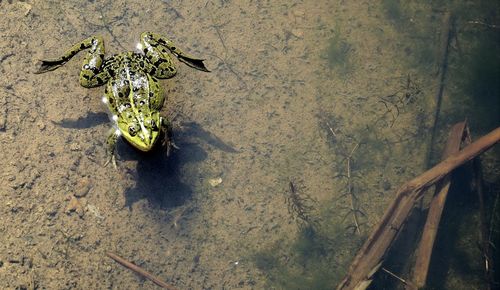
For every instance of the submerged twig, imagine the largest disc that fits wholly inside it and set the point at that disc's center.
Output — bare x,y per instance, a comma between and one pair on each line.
430,231
484,24
406,282
140,271
223,43
354,209
380,240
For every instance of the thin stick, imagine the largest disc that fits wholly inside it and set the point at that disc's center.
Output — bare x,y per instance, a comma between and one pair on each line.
407,283
331,130
349,189
382,237
140,271
482,23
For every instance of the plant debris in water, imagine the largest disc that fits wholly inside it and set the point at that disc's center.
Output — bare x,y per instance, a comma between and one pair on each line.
300,206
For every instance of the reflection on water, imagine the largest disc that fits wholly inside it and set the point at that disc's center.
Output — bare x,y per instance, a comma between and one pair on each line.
334,98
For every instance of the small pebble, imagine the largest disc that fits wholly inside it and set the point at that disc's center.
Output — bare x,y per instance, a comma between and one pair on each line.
299,33
75,205
298,13
74,147
41,125
215,181
83,187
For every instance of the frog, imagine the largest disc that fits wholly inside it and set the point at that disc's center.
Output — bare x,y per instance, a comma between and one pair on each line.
132,90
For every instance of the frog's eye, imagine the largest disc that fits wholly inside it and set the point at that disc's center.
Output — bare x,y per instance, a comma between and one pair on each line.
132,130
154,126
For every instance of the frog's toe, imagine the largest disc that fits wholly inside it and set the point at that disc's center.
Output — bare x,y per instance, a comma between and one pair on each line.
169,146
173,145
112,160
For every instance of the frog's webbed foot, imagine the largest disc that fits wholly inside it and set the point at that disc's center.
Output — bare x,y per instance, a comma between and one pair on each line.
48,65
110,147
169,146
193,62
111,159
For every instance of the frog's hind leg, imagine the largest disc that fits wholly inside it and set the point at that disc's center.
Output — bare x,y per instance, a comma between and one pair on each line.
91,74
155,48
52,64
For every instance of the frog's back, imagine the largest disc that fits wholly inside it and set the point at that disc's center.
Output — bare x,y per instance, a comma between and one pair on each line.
131,91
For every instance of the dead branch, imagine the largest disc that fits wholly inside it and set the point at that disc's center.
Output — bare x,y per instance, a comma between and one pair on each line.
140,271
426,245
380,240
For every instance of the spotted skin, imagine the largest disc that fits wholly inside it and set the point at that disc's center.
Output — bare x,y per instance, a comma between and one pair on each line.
132,93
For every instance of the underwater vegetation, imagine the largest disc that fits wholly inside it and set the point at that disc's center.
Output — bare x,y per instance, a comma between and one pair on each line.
420,29
311,260
300,206
308,263
392,9
338,55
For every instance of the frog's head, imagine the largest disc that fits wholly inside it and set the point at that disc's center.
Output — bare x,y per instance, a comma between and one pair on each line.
141,133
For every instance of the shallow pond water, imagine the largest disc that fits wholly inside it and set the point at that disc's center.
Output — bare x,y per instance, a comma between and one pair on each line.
290,149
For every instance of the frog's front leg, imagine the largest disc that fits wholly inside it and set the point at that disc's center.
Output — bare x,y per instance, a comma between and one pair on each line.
111,146
155,48
92,74
168,141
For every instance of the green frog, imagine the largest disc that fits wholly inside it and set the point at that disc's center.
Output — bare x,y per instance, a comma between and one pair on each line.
133,93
